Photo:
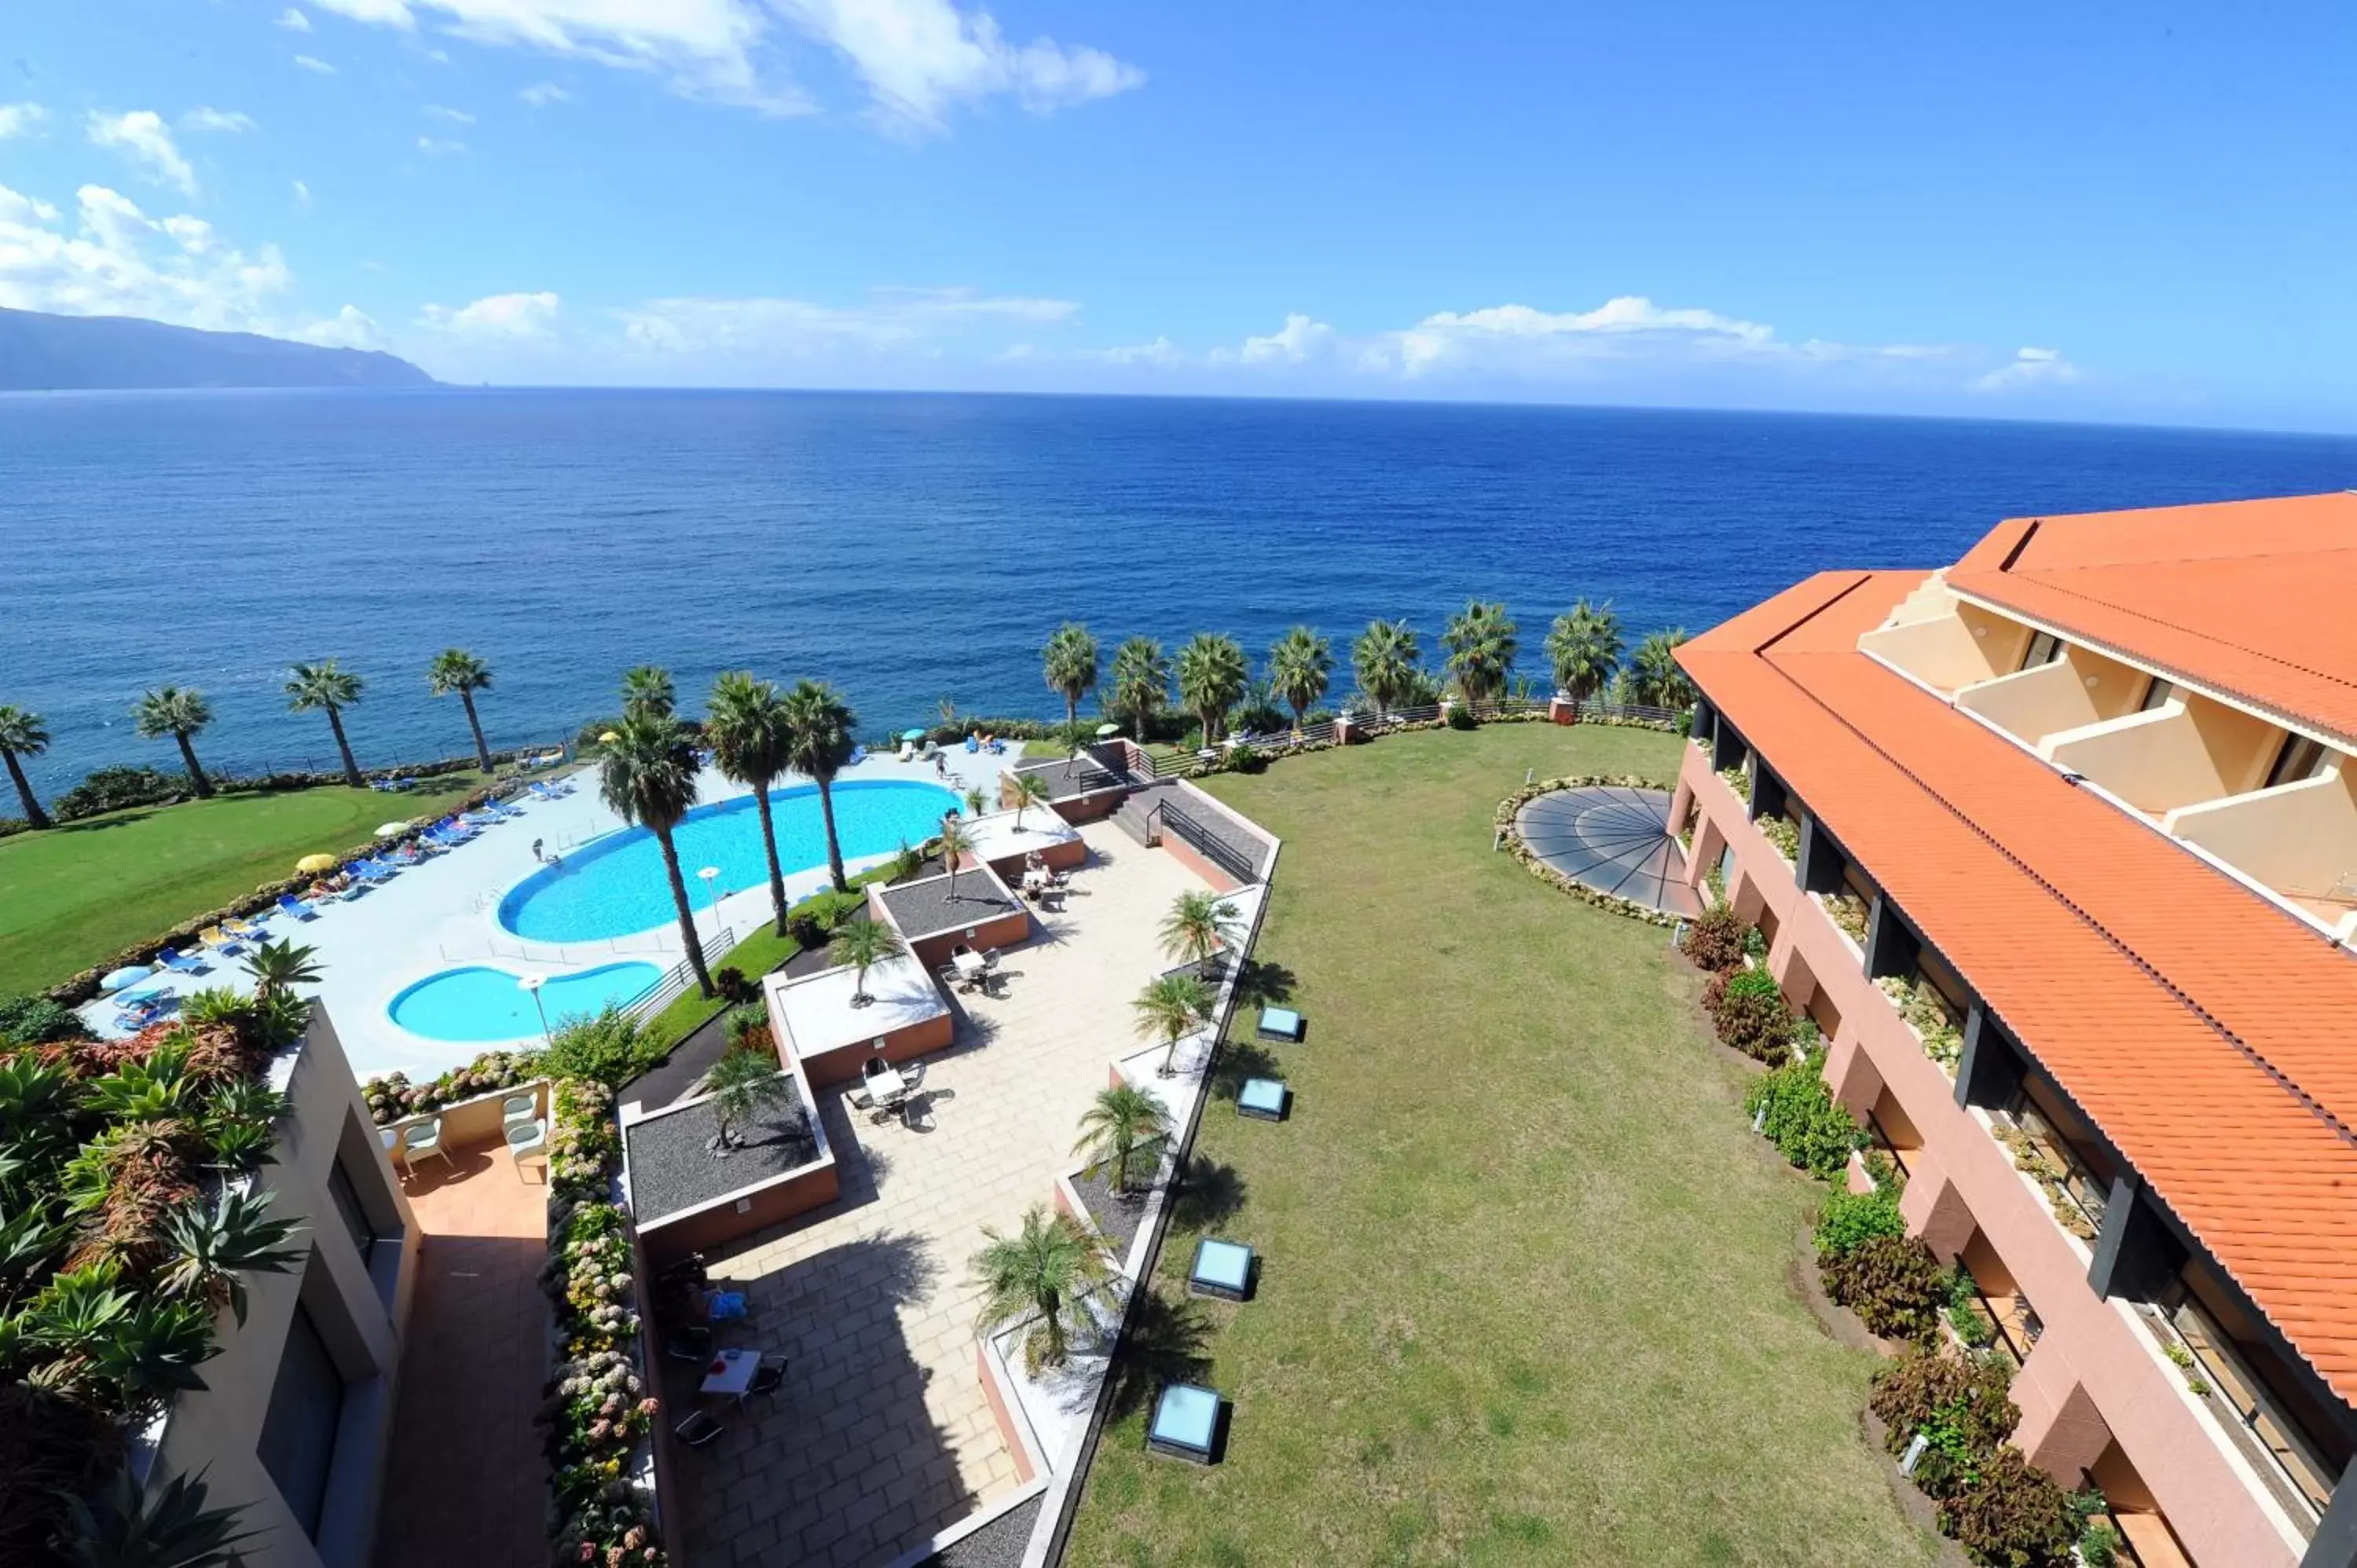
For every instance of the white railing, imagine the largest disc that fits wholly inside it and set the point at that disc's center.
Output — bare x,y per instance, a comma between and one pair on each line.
675,979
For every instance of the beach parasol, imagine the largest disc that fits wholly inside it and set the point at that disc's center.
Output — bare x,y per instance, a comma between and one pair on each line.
912,735
390,830
1106,731
608,738
129,974
316,863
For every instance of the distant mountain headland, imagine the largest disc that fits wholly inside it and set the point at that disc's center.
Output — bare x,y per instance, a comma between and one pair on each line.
40,352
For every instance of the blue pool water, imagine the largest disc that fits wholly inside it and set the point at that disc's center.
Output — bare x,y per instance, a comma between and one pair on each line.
615,885
480,1003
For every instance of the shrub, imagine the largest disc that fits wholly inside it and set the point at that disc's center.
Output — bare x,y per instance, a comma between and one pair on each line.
829,909
2012,1514
1848,1220
1894,1284
2100,1547
609,1049
116,789
1754,1018
1975,1390
10,826
35,1020
1799,1114
730,982
748,1027
1714,938
1461,716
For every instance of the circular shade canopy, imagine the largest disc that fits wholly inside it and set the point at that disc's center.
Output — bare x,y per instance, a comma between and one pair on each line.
1614,840
912,735
1106,731
316,863
129,974
390,830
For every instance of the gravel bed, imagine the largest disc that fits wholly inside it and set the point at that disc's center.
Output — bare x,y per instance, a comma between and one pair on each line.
998,1544
671,1170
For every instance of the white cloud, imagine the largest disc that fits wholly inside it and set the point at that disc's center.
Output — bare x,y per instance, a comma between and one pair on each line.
302,194
449,115
799,329
379,13
540,94
439,147
1300,339
314,64
1450,335
2030,368
351,327
1162,354
226,121
19,119
294,21
142,136
117,261
921,58
500,315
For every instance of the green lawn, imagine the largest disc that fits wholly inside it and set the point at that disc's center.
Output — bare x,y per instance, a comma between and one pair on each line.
1528,1283
75,895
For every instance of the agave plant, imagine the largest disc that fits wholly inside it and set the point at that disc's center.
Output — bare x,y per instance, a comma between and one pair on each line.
153,1351
237,1122
214,1248
143,1090
122,1526
75,1312
281,966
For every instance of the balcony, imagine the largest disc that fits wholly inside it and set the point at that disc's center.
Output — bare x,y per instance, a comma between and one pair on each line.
2080,688
2299,839
1946,643
2188,749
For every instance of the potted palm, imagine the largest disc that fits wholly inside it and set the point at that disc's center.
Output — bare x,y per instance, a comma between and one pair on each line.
863,944
1199,924
1121,1123
1172,1008
956,843
1039,1273
1028,791
740,1084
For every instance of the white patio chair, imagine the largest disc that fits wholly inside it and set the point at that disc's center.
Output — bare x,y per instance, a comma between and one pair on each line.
420,1139
528,1145
518,1108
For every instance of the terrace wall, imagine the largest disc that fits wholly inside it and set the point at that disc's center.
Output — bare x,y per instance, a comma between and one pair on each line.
834,1069
2093,1355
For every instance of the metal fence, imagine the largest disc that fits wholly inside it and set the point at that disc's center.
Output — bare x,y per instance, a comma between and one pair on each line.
675,981
1207,844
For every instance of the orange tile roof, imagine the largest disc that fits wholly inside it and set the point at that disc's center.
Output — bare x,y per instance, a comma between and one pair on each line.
2250,598
2191,1019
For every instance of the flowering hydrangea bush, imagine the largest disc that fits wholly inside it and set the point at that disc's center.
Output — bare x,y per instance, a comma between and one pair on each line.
392,1097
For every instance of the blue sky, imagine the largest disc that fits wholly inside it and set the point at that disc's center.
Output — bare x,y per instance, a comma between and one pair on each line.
2103,212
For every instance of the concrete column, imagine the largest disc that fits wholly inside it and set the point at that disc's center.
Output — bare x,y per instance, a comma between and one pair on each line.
1850,1073
1681,802
1889,945
2334,1545
2061,1431
1725,747
1989,1070
1820,867
1562,710
2135,1254
1934,1209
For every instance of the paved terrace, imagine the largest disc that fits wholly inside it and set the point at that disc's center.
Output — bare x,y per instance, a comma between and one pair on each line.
881,1435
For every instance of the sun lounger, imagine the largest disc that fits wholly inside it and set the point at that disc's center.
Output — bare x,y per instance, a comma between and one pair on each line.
246,931
174,959
217,940
289,904
907,751
858,756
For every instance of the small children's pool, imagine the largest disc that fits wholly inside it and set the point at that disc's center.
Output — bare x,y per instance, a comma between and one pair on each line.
482,1003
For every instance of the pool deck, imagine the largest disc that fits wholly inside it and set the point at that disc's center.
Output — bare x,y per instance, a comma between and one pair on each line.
444,913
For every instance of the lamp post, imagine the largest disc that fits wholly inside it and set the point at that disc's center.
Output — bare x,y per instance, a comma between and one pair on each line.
709,876
533,982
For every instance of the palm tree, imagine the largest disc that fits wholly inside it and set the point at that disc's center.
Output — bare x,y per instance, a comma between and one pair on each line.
455,669
182,712
1481,643
22,734
817,742
1199,924
1660,682
1384,660
1028,791
863,944
1299,666
957,845
745,724
648,778
739,1084
214,1248
975,801
280,966
323,687
1069,662
647,690
1042,1269
1583,647
1212,675
1169,1009
1119,1122
1141,682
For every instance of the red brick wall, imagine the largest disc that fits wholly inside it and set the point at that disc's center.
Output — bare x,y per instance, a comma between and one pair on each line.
832,1069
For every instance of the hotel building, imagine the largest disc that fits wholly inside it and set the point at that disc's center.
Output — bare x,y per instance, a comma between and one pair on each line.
2058,846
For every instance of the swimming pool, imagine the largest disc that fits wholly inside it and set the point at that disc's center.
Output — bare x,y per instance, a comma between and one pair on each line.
616,884
481,1003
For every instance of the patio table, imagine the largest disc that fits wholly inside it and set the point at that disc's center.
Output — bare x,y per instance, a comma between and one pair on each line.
886,1086
730,1372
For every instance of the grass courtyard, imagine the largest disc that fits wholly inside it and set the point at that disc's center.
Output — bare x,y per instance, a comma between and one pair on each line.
1528,1285
77,894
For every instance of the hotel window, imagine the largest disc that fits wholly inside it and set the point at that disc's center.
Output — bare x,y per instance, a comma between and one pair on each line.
2255,1385
348,1204
2299,758
2085,1171
2159,692
1945,983
2045,648
298,1434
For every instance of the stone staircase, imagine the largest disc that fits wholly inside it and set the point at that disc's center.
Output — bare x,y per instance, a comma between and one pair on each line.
1133,816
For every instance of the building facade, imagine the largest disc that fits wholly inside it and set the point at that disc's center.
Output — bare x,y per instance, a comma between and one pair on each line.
2058,846
292,1423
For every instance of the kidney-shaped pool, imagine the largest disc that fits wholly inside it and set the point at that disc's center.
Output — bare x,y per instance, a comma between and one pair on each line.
615,885
480,1003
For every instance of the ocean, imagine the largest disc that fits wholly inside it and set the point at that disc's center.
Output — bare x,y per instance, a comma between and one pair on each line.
909,547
